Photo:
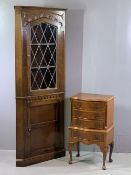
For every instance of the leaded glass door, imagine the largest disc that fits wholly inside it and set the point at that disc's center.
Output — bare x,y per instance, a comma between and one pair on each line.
45,57
43,48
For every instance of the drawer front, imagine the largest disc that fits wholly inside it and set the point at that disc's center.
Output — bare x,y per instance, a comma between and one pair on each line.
90,124
91,136
89,105
88,115
82,136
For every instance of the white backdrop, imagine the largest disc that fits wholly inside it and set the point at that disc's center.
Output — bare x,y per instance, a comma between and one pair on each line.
107,60
98,59
73,63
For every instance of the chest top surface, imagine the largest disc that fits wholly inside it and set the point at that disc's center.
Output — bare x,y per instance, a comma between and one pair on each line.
92,97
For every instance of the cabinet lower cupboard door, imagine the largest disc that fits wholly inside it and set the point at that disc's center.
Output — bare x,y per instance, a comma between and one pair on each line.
39,84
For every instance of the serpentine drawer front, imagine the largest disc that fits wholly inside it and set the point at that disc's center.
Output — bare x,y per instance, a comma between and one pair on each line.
92,122
93,115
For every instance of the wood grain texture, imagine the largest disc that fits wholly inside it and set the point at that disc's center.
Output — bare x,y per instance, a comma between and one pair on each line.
39,113
92,122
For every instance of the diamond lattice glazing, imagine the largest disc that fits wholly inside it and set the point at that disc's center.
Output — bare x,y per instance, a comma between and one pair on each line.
43,56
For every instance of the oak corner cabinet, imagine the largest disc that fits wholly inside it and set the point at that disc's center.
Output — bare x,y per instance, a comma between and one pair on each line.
39,34
92,123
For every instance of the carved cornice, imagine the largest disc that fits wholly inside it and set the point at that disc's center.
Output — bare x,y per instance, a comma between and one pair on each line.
54,17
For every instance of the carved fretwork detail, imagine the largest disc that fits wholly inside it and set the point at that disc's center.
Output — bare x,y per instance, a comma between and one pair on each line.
38,100
27,18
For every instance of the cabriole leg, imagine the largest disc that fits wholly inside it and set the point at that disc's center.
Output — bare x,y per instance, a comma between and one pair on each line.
104,150
70,152
111,150
78,149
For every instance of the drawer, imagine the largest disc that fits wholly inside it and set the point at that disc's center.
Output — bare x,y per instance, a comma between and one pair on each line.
88,105
88,115
90,124
84,136
91,136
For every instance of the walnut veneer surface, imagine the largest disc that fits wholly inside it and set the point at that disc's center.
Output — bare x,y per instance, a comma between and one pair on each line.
92,122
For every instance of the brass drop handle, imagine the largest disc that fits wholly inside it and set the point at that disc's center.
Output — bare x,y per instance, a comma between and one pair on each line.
78,105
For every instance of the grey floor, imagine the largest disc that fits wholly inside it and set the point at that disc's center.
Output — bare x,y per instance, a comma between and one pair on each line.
87,164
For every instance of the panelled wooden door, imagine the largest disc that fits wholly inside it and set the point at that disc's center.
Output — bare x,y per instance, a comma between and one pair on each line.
39,84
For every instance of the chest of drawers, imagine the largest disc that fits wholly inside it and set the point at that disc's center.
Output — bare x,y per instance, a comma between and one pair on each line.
92,123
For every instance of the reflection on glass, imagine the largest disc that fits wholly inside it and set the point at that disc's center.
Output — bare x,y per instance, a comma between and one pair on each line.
43,56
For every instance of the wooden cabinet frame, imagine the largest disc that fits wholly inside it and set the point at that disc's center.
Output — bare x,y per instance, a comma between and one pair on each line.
39,101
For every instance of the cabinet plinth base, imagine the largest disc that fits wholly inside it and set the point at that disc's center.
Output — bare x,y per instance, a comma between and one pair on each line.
39,158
